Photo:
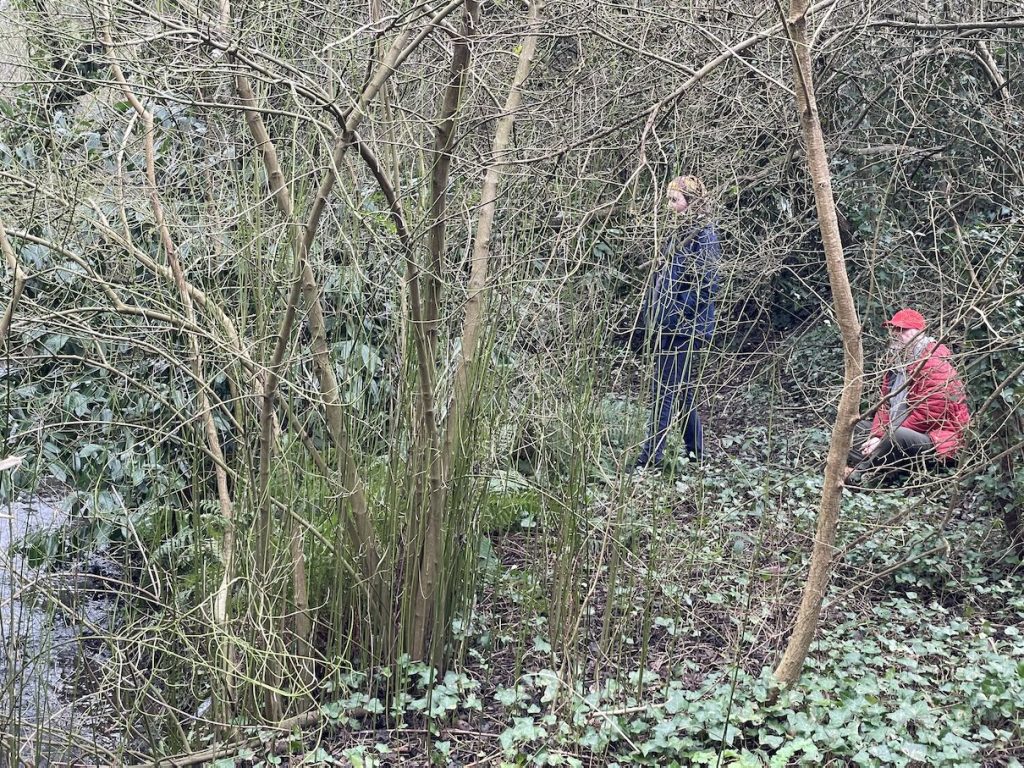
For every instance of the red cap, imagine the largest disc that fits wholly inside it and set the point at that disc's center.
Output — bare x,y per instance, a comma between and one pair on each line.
907,319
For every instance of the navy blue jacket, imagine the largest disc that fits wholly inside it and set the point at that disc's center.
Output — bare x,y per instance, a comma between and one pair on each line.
680,306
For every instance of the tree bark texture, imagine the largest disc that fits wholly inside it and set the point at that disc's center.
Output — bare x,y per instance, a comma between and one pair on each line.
429,492
463,396
788,670
19,276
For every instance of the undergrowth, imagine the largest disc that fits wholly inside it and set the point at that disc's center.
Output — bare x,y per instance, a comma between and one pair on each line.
921,664
636,619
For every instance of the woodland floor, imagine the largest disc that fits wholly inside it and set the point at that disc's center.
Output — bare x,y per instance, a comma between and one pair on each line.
919,659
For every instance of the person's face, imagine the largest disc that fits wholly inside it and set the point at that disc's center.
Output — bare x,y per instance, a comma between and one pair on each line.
900,338
677,202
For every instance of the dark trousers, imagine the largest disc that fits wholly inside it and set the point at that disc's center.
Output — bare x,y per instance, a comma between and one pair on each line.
897,449
673,390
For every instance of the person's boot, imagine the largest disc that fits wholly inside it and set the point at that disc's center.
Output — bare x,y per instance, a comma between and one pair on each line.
642,464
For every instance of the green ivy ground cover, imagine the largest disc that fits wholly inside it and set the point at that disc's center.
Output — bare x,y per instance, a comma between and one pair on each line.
923,666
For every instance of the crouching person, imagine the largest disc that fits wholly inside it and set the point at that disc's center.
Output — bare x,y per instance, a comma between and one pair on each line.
923,415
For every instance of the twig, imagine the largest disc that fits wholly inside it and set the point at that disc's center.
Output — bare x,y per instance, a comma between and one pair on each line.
11,462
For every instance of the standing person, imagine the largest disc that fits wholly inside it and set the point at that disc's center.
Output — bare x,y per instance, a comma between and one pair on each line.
679,317
924,404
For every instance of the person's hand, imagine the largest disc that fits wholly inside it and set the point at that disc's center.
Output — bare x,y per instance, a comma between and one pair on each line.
870,445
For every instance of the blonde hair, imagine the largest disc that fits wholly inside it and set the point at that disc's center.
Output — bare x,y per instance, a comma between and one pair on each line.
695,191
689,185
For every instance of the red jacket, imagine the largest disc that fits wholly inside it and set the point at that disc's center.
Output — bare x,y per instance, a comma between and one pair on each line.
936,401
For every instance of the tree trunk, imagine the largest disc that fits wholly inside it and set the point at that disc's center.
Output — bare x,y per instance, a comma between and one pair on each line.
356,524
19,284
1008,507
430,568
429,492
806,623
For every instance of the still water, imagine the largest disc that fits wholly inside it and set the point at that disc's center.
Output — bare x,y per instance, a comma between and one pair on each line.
46,617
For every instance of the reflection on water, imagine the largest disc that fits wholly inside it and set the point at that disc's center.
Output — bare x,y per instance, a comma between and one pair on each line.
41,616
